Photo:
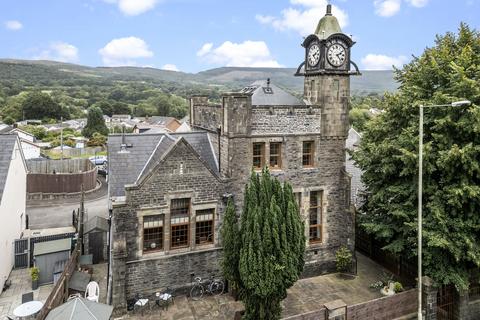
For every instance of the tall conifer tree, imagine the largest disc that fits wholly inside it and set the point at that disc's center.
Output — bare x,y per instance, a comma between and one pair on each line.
271,246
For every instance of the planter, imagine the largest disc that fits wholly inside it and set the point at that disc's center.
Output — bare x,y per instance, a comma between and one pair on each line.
34,284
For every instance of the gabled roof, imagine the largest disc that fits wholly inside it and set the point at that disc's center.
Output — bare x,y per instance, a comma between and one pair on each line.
96,223
142,153
265,93
5,128
7,145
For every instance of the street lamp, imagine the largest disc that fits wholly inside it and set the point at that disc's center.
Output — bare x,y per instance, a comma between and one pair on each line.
420,192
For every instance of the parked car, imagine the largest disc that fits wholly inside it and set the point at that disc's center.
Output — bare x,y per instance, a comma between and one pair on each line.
98,160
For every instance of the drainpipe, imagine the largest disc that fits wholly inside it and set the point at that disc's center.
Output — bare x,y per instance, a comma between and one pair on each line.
219,131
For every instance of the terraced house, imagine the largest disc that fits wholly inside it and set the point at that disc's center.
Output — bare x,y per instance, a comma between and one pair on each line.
168,192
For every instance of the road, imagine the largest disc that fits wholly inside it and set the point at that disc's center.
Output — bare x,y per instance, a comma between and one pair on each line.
58,213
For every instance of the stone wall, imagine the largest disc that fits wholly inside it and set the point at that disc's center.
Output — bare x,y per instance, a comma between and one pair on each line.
149,276
204,115
180,175
327,175
286,119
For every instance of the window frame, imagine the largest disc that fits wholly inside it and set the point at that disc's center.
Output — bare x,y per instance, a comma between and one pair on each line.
212,221
310,155
261,156
181,215
318,226
278,155
162,238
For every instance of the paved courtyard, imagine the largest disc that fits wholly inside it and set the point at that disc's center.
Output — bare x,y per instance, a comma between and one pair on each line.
306,295
21,283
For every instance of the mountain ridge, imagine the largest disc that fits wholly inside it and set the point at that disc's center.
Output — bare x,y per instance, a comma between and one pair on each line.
230,77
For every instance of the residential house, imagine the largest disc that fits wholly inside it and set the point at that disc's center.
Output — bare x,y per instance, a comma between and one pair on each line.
13,180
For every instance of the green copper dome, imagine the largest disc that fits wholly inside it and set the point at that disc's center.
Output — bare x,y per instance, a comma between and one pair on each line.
328,25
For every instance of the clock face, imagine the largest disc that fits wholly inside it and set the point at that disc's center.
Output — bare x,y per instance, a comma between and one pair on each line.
336,55
313,55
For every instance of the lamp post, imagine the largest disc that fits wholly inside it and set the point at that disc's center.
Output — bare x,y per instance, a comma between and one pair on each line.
420,192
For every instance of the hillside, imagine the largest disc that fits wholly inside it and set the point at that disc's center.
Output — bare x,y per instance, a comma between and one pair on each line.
50,73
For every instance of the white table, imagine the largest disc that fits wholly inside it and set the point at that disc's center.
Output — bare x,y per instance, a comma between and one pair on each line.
27,309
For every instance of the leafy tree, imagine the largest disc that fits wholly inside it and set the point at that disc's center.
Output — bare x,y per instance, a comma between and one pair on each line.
95,123
39,132
39,105
8,120
97,140
388,155
271,246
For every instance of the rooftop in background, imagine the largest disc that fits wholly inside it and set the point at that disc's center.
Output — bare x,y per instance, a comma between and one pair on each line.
265,93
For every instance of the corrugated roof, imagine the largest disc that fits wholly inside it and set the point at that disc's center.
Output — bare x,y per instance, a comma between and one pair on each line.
126,166
265,93
81,309
7,144
52,246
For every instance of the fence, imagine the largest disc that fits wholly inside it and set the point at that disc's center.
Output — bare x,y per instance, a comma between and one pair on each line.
60,291
385,308
61,176
77,152
403,268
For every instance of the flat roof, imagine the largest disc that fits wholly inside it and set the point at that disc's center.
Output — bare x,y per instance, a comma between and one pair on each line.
52,246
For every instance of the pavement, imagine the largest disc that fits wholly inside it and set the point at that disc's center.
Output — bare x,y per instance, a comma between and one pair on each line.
57,213
305,295
21,283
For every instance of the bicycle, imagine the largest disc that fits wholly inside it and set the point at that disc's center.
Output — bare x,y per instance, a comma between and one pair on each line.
214,287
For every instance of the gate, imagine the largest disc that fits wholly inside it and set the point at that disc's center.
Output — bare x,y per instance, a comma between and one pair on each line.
21,253
445,302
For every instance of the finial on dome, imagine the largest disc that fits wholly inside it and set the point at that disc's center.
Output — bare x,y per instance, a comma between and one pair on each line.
329,9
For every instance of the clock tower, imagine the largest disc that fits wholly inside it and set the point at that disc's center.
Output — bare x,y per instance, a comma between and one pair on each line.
327,70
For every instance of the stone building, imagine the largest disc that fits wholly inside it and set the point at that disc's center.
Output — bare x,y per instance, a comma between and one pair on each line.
168,191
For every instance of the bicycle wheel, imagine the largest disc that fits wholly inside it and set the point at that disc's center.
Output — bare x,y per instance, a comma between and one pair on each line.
197,292
217,287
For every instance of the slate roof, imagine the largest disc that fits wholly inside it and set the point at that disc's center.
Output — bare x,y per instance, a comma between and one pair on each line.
144,151
96,223
7,143
357,186
265,93
5,128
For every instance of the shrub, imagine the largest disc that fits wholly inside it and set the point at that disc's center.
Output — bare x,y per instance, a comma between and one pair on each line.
397,287
343,259
34,273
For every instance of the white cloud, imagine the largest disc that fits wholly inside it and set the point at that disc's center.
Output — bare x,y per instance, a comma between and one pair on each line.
303,18
170,67
382,62
124,51
205,49
387,8
134,7
13,25
418,3
59,51
245,54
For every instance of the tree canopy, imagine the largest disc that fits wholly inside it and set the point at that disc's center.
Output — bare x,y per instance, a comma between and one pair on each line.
95,123
39,105
388,155
270,246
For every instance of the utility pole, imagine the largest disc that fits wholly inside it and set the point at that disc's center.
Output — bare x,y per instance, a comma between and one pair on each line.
61,136
80,220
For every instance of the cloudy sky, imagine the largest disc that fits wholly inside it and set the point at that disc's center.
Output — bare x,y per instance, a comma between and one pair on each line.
195,35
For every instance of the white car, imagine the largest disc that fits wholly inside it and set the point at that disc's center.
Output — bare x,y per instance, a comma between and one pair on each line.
98,160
